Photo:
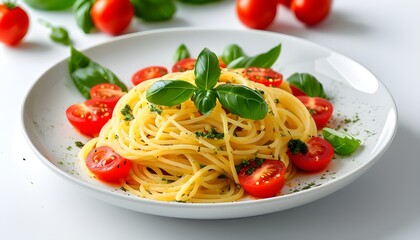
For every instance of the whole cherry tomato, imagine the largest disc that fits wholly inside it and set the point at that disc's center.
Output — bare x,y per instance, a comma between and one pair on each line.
14,23
256,14
112,16
311,12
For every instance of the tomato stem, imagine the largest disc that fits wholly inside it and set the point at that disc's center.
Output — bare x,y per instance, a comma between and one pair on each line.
10,4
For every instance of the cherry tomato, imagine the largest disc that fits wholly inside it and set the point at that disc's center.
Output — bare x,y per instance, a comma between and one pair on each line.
112,16
319,155
184,65
266,76
256,14
107,93
107,165
14,23
311,12
148,73
296,91
265,181
320,109
89,117
286,3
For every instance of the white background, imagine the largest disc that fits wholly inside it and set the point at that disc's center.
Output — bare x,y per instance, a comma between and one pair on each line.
384,203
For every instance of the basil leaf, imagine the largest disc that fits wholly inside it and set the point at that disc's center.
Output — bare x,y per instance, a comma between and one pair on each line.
307,84
242,101
231,52
81,12
58,34
170,92
86,73
181,53
343,143
207,70
205,100
154,10
263,60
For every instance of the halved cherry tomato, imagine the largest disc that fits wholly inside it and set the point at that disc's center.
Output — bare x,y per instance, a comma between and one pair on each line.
148,73
265,181
107,93
14,23
311,12
266,76
296,91
107,165
320,109
319,155
112,16
89,117
256,13
184,65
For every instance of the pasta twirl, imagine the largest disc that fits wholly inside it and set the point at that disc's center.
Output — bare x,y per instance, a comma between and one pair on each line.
175,159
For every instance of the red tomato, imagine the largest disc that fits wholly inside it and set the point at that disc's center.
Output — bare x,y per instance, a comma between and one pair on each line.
107,93
265,181
286,3
296,91
266,76
311,12
256,13
89,117
107,165
319,155
148,73
184,65
320,109
112,16
14,23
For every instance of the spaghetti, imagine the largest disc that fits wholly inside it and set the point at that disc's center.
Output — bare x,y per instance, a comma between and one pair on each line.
179,154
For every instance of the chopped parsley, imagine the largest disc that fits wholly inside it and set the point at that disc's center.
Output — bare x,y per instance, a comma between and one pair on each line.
154,108
127,113
79,144
297,146
212,134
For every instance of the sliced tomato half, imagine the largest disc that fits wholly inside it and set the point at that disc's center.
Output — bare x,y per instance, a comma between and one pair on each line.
266,76
107,165
321,109
107,93
148,73
184,65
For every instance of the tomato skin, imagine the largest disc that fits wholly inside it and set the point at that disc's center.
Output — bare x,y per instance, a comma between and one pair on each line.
256,14
184,65
311,12
296,91
14,24
319,155
266,76
148,73
286,3
112,16
320,109
266,180
107,165
89,117
107,93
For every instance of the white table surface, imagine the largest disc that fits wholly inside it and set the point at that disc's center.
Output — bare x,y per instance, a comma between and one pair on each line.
384,203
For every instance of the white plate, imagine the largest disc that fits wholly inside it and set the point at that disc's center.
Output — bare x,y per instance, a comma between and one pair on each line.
362,105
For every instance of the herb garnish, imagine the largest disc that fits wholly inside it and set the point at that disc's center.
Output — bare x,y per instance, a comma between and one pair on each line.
212,134
297,146
127,112
237,99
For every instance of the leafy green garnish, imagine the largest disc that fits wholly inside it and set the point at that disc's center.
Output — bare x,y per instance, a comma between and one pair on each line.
343,143
307,84
81,12
240,100
86,73
181,53
297,146
154,10
263,60
58,34
127,113
231,52
212,134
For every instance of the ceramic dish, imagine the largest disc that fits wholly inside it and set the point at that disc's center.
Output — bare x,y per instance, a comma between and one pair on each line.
362,104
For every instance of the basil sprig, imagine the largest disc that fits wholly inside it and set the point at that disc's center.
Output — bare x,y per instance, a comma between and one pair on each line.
307,84
181,52
237,99
81,12
86,73
343,143
263,60
58,34
154,10
231,52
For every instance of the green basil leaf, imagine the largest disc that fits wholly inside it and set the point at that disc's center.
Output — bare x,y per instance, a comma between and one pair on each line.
242,101
86,73
263,60
231,52
343,143
307,84
205,100
81,12
181,53
154,10
170,92
207,70
58,34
